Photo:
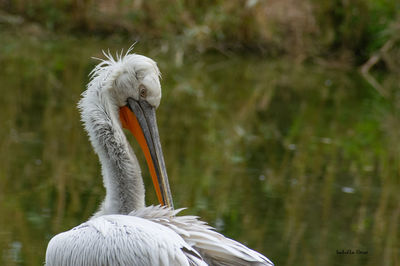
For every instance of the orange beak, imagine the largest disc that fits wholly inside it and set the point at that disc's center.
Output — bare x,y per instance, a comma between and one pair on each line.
139,119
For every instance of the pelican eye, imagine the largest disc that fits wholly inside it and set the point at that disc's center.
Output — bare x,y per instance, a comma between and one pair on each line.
143,92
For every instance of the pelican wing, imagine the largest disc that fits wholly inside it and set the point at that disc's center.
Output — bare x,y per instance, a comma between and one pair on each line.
215,248
120,240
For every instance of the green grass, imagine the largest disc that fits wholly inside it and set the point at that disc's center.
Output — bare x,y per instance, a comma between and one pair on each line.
347,31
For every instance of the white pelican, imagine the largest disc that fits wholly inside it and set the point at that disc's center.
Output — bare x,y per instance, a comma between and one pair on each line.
124,93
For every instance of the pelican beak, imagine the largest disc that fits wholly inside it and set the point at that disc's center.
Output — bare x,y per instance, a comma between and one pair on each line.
139,117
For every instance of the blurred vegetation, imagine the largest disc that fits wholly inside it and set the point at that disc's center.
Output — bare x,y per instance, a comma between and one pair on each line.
294,160
298,155
339,30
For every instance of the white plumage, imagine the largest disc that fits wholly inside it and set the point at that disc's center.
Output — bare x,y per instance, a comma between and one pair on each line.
124,231
121,240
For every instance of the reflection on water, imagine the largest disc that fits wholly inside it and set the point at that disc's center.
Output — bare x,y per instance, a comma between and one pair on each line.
295,161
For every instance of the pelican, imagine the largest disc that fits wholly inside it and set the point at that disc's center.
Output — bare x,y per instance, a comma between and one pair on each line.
124,93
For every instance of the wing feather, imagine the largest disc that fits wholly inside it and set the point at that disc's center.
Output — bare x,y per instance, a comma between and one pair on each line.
215,248
121,240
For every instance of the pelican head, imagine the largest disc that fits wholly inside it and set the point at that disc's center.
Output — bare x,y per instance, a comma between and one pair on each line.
137,78
131,84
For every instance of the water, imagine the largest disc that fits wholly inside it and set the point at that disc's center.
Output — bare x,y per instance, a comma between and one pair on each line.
299,162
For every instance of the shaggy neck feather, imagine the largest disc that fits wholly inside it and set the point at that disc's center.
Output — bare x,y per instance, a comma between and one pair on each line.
120,168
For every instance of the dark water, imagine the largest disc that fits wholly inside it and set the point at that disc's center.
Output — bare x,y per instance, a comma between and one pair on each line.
299,162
